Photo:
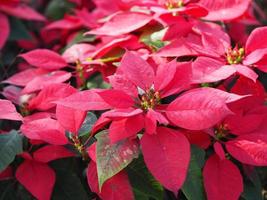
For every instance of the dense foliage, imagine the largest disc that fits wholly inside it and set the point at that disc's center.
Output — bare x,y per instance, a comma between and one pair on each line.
133,99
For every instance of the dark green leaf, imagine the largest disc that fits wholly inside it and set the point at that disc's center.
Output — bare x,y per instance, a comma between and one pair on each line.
252,187
57,8
10,145
144,185
113,157
18,30
193,187
87,124
68,186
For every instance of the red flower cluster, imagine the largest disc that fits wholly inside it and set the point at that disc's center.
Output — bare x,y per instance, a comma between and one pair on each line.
173,78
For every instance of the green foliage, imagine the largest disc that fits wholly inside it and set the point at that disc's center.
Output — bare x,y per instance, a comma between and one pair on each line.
10,145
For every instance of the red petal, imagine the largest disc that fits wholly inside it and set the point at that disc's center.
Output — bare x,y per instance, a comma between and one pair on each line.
45,129
198,109
86,100
22,11
225,10
4,27
167,156
42,81
247,72
121,23
45,59
256,40
125,128
116,98
37,178
208,70
24,77
222,177
51,152
69,118
249,149
44,100
8,111
137,70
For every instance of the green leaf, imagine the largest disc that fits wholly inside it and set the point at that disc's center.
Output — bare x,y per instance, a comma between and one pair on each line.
68,186
193,187
18,30
252,187
113,157
10,145
57,8
87,124
144,185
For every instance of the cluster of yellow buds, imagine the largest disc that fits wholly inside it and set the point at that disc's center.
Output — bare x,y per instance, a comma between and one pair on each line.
235,56
150,99
171,4
221,131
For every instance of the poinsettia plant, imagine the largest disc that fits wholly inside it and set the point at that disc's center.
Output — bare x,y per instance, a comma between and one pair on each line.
133,99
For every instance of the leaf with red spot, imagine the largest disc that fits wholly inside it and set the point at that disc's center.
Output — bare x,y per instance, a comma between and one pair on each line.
46,129
167,156
199,109
44,100
51,152
116,188
44,58
250,149
112,158
4,27
8,111
38,178
122,23
222,177
44,80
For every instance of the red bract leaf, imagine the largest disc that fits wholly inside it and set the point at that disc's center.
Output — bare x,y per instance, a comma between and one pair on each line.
125,128
206,70
42,81
22,11
249,149
222,177
137,70
45,129
77,52
45,59
116,188
37,178
86,100
116,98
120,82
256,40
4,27
225,10
198,109
167,155
45,99
8,111
68,23
24,77
51,152
122,23
69,118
